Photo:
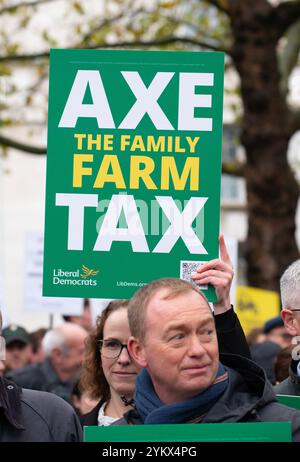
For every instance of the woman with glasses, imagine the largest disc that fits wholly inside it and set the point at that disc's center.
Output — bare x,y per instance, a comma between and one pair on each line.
108,371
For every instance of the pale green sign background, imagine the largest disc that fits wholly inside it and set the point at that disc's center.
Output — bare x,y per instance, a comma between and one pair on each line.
134,148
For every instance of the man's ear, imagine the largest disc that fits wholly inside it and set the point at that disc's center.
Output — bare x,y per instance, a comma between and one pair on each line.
289,321
137,351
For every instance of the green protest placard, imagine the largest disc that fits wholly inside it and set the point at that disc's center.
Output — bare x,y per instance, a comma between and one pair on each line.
133,169
234,432
289,400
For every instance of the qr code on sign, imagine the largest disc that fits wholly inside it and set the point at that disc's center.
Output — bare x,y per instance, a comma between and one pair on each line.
187,268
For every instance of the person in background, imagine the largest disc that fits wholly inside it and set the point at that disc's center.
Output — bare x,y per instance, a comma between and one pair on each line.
34,416
85,319
290,301
109,373
282,364
265,353
37,351
256,335
64,349
183,379
18,348
275,332
80,400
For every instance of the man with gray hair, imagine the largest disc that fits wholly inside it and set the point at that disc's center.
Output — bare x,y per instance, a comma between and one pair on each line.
290,300
64,348
34,416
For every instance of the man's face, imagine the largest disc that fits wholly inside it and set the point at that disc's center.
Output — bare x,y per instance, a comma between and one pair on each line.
280,336
17,355
180,349
71,362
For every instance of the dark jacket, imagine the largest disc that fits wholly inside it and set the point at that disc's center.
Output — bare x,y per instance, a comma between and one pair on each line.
41,377
249,397
291,385
231,339
264,354
91,418
34,416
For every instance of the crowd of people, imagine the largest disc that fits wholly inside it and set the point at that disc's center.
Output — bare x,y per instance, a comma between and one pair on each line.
164,356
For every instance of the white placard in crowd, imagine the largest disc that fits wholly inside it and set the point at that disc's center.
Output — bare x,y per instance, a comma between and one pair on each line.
33,299
4,312
5,317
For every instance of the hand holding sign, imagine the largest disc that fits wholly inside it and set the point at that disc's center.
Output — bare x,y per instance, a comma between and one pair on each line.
219,273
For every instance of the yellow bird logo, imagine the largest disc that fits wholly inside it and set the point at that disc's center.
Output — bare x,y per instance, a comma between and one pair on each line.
87,272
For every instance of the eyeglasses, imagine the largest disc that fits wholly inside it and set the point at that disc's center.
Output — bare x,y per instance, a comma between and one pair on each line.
111,349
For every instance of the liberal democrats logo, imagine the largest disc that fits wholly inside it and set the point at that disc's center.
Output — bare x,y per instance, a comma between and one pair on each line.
83,277
87,272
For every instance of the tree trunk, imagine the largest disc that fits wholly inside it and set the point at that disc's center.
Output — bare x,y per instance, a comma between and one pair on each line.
272,190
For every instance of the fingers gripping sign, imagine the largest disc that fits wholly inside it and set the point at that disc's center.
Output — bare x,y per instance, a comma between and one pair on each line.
218,272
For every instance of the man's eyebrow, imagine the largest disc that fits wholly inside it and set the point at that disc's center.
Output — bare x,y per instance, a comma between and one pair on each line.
179,325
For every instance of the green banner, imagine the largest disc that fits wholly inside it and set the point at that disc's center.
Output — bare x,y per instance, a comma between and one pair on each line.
234,432
289,400
133,169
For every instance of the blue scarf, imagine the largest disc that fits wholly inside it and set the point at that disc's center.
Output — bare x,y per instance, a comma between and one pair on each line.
153,411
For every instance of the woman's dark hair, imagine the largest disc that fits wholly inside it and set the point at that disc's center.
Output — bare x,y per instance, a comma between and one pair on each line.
93,380
76,390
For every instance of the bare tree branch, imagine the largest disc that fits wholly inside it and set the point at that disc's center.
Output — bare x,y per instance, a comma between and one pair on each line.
180,22
286,14
164,41
235,169
11,8
8,142
129,44
106,22
25,57
192,25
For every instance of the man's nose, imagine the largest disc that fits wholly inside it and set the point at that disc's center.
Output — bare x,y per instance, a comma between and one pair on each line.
195,347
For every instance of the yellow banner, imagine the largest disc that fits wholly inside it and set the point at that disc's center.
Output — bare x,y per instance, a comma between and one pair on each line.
255,306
